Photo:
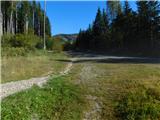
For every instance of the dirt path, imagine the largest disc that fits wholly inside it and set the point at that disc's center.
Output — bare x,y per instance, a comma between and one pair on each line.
87,79
13,87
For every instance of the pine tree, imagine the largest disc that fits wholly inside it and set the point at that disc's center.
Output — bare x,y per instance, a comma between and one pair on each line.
154,18
113,9
97,23
143,19
105,21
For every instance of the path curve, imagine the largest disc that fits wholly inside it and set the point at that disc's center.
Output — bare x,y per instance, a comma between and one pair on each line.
17,86
13,87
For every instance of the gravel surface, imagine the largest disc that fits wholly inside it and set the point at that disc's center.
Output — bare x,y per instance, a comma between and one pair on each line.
16,86
13,87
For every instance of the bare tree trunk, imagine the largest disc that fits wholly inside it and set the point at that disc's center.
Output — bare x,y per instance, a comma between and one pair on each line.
16,21
11,20
26,24
4,23
44,47
8,26
39,27
1,19
33,20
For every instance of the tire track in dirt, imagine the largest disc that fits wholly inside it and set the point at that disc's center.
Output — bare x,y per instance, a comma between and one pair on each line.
87,76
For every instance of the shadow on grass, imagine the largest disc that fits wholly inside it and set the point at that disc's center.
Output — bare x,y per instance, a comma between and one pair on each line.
116,60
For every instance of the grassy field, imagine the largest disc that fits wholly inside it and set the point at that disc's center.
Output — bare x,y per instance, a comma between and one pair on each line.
57,100
35,64
122,91
125,91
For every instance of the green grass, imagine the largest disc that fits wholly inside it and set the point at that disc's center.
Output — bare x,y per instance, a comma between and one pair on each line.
127,91
57,100
141,104
35,64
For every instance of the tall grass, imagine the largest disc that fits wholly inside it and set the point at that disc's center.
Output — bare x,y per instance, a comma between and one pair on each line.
35,64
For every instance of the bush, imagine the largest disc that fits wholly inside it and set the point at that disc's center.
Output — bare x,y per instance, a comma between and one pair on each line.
139,105
27,41
11,51
58,45
6,38
49,43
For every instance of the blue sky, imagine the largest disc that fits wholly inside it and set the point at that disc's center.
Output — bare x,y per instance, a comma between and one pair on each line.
70,16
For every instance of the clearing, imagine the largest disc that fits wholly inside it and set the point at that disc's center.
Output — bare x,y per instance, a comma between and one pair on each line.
96,88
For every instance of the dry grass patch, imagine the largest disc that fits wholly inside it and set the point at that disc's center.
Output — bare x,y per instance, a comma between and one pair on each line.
33,65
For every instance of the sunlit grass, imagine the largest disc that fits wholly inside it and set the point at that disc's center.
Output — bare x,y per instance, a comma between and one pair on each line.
33,65
115,83
57,100
126,91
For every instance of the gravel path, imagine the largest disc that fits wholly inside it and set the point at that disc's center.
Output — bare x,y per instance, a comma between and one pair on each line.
13,87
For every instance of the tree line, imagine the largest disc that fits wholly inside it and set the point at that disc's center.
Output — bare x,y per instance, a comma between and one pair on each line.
24,17
119,28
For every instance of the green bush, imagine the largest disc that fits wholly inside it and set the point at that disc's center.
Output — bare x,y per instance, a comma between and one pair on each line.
49,43
27,41
58,45
140,105
6,38
11,51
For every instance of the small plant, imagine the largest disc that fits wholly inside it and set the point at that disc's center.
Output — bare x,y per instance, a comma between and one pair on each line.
139,105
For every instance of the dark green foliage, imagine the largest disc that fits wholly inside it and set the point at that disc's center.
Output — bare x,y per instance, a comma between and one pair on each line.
20,40
26,41
49,43
128,31
6,38
143,104
58,100
25,15
19,44
96,37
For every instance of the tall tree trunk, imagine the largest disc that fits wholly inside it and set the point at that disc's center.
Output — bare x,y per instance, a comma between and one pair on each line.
39,28
44,47
16,29
33,20
26,24
1,20
11,19
8,26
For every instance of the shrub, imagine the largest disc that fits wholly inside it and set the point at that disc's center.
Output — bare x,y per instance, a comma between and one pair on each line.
49,43
11,51
6,38
28,41
139,105
58,45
